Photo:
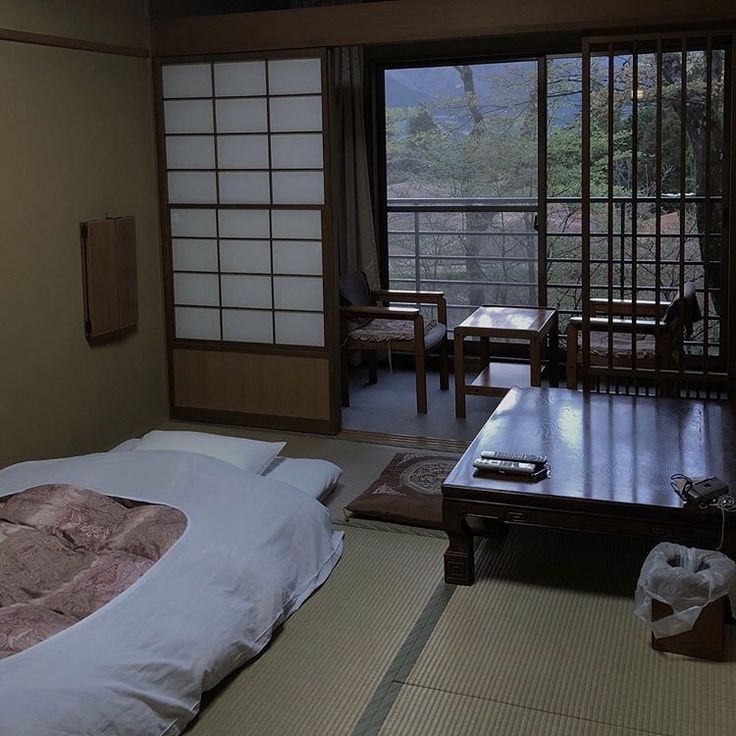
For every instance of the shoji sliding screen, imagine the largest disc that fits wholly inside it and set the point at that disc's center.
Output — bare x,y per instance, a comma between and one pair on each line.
249,276
659,270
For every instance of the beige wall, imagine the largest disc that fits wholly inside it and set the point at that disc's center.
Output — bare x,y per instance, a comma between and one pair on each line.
76,132
120,22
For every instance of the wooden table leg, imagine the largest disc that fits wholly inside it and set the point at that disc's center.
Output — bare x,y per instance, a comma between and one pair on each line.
535,359
553,352
460,552
460,560
459,355
485,352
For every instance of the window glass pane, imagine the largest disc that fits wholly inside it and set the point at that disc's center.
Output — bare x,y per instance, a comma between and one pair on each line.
245,256
240,79
298,187
297,224
197,324
244,224
198,289
242,151
190,254
187,80
241,116
296,113
190,152
296,151
294,76
192,187
188,116
244,187
246,291
293,292
294,328
297,257
247,325
193,223
461,164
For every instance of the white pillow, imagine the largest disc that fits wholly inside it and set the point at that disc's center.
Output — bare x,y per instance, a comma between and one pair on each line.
251,455
315,477
126,445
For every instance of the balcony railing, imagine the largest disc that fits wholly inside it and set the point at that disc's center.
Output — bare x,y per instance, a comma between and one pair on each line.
488,250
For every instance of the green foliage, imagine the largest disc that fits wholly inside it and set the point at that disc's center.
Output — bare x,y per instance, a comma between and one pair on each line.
483,144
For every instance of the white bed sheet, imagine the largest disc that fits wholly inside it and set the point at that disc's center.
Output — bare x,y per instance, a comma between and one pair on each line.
252,552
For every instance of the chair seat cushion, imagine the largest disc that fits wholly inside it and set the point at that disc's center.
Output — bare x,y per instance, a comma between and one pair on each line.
645,344
391,330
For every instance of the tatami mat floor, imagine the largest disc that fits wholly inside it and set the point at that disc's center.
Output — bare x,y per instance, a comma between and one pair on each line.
545,642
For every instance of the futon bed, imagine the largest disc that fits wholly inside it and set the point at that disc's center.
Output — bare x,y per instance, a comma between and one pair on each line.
252,551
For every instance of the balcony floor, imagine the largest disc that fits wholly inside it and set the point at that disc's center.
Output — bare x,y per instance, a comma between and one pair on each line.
389,406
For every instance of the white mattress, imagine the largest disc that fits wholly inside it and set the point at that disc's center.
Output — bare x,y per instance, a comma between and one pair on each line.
253,551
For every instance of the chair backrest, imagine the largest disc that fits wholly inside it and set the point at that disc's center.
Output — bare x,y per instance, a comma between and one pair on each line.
678,316
354,290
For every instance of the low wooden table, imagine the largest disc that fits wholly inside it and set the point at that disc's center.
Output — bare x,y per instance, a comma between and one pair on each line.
611,459
535,324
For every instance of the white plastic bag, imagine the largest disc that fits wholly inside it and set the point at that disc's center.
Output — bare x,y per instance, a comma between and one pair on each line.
687,579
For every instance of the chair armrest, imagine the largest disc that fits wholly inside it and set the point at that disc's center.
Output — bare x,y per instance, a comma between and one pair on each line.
405,313
404,295
416,297
624,307
616,324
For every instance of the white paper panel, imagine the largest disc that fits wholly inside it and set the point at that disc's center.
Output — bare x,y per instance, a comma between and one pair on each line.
244,224
297,224
187,80
298,151
293,328
190,152
240,79
295,292
244,187
193,223
294,76
245,256
301,257
242,152
192,187
197,324
298,187
247,325
188,116
246,291
199,289
296,114
242,116
191,254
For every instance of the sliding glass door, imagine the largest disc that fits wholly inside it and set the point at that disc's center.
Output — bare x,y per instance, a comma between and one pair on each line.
462,182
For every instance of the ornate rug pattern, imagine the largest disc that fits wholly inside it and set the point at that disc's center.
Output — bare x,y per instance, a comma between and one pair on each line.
408,491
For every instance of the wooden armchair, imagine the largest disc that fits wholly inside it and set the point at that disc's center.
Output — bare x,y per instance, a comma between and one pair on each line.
659,333
378,325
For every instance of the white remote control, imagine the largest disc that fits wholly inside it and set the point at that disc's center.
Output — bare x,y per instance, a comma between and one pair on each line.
504,466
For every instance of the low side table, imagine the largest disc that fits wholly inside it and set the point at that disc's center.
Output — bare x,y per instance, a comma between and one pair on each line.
535,324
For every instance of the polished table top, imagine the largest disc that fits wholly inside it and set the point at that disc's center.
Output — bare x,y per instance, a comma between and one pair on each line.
603,450
521,320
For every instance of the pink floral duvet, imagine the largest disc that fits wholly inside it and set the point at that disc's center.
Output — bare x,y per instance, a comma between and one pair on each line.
66,551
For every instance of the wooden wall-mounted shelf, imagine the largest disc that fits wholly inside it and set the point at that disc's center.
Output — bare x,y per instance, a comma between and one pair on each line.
110,276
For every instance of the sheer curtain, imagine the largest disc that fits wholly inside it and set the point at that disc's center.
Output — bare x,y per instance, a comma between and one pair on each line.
352,202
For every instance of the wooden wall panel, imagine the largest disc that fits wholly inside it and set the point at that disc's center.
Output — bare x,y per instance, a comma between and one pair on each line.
252,384
418,20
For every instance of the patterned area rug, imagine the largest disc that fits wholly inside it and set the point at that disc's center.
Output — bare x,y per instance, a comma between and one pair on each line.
408,491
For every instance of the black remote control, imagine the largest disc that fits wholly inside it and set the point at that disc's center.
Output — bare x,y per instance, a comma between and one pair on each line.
513,457
504,467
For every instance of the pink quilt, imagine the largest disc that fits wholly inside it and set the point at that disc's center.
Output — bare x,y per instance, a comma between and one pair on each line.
66,551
